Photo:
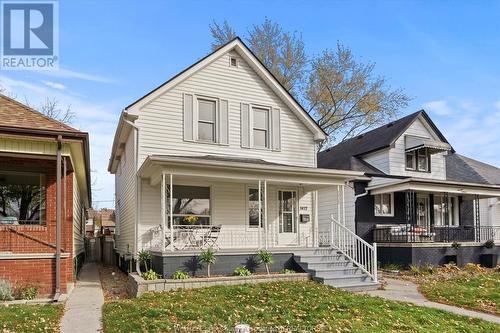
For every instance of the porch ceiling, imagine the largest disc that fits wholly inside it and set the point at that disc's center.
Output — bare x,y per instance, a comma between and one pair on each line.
241,171
436,186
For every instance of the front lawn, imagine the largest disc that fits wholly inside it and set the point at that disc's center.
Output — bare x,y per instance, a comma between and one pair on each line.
30,318
282,306
479,291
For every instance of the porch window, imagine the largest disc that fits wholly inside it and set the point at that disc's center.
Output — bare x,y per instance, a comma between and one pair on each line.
418,160
22,198
260,128
253,207
206,120
191,205
440,211
384,204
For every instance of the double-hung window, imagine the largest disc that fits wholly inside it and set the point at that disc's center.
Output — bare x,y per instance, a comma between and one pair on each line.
260,127
206,119
418,160
384,204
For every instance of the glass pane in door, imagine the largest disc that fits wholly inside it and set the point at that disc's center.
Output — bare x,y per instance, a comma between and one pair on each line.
287,211
423,211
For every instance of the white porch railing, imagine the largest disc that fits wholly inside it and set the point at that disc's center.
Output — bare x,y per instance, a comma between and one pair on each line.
354,247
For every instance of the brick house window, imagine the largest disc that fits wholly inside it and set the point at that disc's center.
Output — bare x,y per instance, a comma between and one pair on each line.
22,198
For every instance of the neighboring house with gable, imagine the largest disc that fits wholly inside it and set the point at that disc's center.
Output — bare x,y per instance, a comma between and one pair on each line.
44,192
421,196
222,156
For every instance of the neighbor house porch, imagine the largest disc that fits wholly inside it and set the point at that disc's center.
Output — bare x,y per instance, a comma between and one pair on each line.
233,205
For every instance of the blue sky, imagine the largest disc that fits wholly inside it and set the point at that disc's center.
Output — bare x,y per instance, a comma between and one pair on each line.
445,54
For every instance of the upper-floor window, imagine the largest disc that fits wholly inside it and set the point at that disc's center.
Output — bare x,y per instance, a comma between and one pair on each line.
418,160
206,119
384,204
260,127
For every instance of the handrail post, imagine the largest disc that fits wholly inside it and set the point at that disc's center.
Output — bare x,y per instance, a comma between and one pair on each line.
375,263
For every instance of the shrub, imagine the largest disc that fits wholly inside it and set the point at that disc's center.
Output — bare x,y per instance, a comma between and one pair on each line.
241,271
266,258
28,293
455,245
208,257
474,268
5,291
145,258
150,275
287,271
489,244
180,275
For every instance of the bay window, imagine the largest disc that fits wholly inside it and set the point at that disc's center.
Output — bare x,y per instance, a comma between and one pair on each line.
191,205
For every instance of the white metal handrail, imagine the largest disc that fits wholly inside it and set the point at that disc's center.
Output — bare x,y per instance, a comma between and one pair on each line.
354,247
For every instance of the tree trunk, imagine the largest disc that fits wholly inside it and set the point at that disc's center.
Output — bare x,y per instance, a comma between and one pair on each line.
208,270
267,269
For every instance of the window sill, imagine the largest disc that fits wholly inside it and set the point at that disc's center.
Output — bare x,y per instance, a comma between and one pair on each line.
384,215
208,143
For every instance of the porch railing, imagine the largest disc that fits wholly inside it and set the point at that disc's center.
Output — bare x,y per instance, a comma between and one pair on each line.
441,234
354,247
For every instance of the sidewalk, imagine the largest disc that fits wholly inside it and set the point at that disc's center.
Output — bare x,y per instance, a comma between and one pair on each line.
83,307
405,291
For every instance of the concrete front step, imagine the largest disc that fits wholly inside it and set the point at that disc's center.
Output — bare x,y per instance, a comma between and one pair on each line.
332,272
365,286
342,279
321,258
326,265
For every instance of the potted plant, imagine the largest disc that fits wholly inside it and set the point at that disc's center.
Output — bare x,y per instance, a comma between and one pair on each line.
266,258
190,220
208,257
489,258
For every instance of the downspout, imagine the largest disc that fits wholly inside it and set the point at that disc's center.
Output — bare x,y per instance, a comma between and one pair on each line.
137,180
58,219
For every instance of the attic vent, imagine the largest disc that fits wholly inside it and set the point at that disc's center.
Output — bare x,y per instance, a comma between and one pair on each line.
233,62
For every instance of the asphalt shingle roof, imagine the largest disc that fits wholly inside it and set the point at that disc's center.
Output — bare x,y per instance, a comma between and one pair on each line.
464,169
18,115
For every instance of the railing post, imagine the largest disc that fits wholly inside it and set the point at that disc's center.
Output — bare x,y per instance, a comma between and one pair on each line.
375,263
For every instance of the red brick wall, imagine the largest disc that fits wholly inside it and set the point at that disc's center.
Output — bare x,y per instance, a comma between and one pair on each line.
38,239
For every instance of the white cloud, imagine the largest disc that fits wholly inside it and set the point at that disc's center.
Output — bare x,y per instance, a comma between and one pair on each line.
69,74
441,107
55,85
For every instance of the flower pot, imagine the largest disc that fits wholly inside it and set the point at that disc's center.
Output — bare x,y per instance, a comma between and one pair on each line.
489,260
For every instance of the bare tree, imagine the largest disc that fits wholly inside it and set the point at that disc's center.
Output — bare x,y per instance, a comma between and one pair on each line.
51,108
346,97
221,34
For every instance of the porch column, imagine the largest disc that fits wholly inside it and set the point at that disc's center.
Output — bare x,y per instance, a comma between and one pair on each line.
477,219
266,240
447,217
315,219
163,212
343,205
338,204
259,231
171,210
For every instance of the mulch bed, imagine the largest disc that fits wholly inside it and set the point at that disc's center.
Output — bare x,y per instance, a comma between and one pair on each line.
113,283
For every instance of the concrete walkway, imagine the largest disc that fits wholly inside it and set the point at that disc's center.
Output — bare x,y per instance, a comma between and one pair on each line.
405,291
83,307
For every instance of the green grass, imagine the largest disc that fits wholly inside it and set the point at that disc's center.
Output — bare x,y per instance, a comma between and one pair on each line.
299,306
30,318
477,292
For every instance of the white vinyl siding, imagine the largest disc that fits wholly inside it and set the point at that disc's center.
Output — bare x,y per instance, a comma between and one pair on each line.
397,155
125,190
328,205
379,159
78,220
161,121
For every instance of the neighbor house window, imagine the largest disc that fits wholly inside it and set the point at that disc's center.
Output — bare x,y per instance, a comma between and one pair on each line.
191,205
260,127
206,120
22,198
440,211
384,204
253,207
418,160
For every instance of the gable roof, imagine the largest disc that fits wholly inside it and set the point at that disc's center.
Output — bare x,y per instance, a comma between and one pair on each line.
239,46
464,169
18,115
345,155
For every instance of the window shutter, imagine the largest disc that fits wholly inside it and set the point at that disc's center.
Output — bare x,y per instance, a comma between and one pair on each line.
245,125
223,122
276,129
188,117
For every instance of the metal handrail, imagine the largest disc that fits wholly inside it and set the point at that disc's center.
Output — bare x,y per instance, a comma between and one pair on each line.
355,248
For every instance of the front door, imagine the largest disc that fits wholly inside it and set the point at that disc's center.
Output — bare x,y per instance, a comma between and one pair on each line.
423,211
287,233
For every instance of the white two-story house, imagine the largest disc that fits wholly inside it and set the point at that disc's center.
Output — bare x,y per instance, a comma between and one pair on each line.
219,156
421,196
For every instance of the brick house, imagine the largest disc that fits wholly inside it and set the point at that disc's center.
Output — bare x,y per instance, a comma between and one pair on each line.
44,193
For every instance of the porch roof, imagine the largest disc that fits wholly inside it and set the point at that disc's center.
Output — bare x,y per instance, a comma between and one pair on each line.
436,186
241,169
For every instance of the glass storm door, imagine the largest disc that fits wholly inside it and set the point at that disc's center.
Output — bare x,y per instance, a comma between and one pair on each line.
287,233
423,217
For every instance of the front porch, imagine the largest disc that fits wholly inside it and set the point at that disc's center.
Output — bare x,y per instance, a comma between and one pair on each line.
190,204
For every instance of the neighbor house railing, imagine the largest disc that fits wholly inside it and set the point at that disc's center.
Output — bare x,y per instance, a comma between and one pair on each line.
354,247
405,233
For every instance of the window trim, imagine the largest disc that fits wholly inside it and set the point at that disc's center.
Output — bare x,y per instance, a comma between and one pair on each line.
214,123
391,214
415,155
253,128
